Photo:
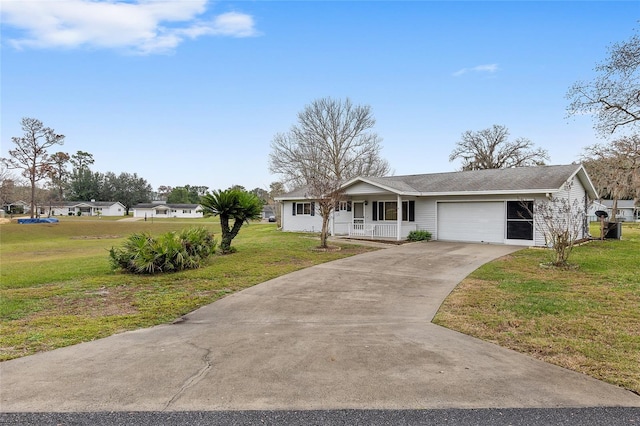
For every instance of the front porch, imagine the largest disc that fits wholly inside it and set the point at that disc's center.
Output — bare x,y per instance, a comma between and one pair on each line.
389,231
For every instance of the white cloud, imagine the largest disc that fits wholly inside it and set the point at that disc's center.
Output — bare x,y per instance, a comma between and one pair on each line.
142,26
490,68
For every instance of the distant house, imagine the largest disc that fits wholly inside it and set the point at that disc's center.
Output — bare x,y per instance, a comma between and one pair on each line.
16,207
472,206
162,209
268,211
83,208
627,211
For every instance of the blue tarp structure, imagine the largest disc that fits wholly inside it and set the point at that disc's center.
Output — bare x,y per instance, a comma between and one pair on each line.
39,220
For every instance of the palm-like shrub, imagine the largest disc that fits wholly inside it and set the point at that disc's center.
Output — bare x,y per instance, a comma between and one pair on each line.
231,205
170,252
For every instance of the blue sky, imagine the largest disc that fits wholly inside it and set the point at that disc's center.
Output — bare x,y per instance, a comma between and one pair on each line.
192,92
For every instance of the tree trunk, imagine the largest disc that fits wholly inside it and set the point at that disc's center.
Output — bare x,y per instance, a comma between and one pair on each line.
33,198
325,232
228,234
614,209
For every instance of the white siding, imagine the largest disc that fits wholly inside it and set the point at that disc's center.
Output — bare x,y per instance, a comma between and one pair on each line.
299,223
361,188
426,215
538,235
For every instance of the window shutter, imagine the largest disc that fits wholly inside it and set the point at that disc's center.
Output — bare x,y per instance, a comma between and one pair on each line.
412,211
313,209
374,212
294,209
381,212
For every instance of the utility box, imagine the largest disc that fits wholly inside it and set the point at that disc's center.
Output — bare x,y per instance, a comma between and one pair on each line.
613,230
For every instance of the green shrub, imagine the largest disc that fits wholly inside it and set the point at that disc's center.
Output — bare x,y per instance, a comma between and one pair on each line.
419,236
170,252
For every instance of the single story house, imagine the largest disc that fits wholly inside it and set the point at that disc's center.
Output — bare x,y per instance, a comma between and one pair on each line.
84,208
162,209
626,210
16,207
487,206
268,211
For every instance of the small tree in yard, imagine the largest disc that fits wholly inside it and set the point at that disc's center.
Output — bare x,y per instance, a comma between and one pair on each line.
331,143
561,221
231,205
30,154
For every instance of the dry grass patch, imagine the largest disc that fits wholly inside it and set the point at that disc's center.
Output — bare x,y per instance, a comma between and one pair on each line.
586,319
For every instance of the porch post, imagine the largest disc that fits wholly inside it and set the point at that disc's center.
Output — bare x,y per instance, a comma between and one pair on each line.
399,219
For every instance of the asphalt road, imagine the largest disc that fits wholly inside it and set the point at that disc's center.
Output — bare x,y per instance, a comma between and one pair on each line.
609,416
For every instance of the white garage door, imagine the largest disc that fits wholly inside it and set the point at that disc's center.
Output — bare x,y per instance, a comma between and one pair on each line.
474,221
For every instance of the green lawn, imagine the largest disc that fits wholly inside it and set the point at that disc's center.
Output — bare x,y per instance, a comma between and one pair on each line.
57,288
586,319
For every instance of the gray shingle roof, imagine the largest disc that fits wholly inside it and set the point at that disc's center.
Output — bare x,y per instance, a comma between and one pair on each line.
515,180
499,180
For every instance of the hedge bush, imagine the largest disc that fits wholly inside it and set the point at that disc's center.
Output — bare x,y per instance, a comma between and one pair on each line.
419,236
170,252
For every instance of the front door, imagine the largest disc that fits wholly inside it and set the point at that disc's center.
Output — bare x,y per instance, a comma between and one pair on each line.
358,218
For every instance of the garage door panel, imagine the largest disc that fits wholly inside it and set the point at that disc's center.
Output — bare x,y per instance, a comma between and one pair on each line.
473,221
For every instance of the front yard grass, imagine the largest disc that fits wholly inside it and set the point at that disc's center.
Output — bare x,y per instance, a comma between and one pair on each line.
57,288
585,319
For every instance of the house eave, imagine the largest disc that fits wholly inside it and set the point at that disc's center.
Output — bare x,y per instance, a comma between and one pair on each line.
487,192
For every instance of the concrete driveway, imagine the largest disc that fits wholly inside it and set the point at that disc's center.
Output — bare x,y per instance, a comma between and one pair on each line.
353,333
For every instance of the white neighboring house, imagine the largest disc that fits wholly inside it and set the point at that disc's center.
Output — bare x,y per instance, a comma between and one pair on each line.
16,207
627,211
86,208
162,209
472,206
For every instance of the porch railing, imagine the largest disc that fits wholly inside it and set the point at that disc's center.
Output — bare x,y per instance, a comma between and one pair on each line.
378,230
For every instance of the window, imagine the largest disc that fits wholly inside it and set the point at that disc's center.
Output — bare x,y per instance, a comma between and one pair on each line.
304,209
388,210
186,211
344,206
519,220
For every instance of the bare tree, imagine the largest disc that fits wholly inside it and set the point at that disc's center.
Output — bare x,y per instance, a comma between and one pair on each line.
164,191
331,143
615,169
491,149
562,222
276,189
7,185
30,154
613,96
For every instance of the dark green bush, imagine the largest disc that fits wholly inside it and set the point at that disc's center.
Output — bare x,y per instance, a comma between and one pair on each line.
419,236
170,252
